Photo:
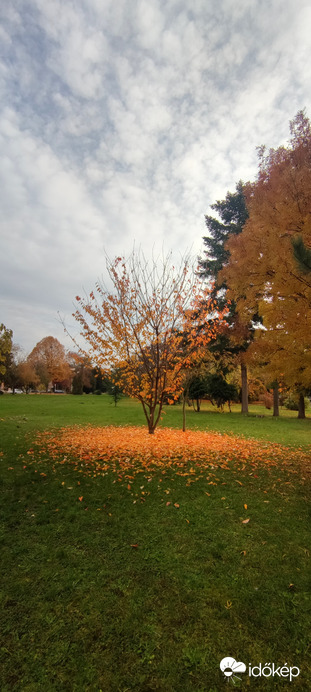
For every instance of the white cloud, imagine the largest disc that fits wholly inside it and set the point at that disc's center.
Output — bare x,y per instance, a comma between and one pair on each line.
125,121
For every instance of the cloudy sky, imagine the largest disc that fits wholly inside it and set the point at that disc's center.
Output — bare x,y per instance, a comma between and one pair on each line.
122,121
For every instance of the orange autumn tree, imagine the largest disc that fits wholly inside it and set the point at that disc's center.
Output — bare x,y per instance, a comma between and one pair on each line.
153,326
262,273
48,358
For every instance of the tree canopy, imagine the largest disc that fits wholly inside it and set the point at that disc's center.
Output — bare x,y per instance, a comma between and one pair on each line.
262,273
153,325
49,361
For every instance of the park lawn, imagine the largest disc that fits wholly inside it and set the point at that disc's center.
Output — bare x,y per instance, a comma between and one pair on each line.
40,411
106,586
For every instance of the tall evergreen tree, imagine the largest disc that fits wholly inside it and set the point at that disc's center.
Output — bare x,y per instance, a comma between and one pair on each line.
233,215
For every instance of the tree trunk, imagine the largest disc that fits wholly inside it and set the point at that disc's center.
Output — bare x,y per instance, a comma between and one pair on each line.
276,399
149,418
301,406
184,413
244,408
151,424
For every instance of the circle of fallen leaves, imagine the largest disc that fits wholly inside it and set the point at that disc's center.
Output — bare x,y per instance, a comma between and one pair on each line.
130,450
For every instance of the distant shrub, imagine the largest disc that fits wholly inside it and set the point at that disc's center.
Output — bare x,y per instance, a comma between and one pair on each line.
219,391
268,400
291,402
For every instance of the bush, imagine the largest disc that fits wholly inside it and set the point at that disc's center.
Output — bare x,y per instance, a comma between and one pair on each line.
291,402
219,391
268,400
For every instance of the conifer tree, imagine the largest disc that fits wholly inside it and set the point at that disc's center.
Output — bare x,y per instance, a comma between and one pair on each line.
233,213
235,341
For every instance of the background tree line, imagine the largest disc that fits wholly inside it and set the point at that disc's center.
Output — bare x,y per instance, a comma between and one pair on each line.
49,368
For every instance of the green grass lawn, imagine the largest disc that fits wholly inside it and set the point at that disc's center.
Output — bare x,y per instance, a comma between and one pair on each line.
121,591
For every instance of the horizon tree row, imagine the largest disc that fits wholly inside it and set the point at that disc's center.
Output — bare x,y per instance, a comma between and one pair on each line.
48,368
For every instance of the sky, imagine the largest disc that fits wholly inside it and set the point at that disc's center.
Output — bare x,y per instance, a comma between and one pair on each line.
121,123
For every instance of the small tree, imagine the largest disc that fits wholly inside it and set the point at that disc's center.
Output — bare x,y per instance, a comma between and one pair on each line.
153,325
113,387
197,389
220,391
6,336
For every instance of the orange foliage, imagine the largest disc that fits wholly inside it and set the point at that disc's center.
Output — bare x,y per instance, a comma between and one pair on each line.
153,326
262,274
128,451
48,358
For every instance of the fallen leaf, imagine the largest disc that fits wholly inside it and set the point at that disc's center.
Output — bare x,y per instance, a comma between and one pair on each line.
176,504
81,498
245,506
245,521
134,545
